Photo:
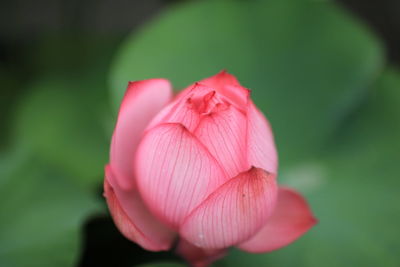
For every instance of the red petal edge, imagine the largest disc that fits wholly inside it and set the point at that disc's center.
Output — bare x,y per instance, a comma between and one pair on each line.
234,212
136,223
291,219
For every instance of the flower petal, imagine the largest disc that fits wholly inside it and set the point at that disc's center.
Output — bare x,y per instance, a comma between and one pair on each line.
175,172
234,212
220,79
133,219
227,85
180,110
183,109
224,135
290,220
261,145
198,257
142,101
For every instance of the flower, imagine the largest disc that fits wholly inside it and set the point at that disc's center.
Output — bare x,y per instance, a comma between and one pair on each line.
199,168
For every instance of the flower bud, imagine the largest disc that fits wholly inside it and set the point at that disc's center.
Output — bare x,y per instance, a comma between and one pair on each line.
200,167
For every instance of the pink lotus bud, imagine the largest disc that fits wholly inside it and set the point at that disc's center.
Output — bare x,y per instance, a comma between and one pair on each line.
200,167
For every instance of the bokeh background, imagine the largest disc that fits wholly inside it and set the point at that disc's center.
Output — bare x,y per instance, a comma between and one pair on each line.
324,72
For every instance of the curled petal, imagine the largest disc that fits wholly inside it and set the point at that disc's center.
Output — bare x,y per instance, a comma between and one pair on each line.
198,257
184,109
260,141
234,212
181,112
175,172
142,101
224,134
290,220
227,85
188,104
133,219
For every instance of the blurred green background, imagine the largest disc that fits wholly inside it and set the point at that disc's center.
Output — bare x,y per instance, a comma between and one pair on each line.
324,72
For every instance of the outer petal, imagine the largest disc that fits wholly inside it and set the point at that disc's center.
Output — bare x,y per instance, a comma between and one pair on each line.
133,219
224,135
175,172
234,212
198,257
290,220
261,146
142,101
227,85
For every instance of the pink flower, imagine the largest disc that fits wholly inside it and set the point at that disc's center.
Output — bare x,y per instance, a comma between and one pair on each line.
200,167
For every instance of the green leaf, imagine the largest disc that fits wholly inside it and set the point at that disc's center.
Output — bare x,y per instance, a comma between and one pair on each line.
307,62
359,204
356,199
42,214
62,121
10,88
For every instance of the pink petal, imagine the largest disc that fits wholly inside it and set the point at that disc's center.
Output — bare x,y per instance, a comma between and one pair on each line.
291,219
224,135
182,113
175,172
142,101
261,146
198,257
234,212
220,79
215,83
182,110
133,219
227,85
